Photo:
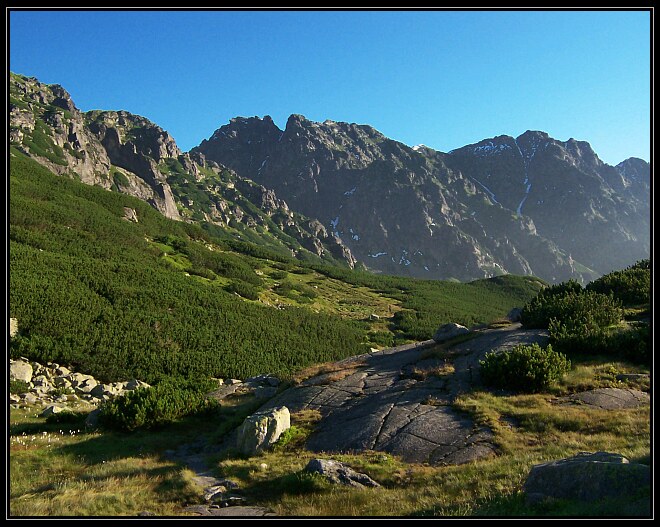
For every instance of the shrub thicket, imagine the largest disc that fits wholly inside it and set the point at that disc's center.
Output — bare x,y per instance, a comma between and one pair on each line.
585,338
164,403
631,286
94,291
581,306
243,289
524,368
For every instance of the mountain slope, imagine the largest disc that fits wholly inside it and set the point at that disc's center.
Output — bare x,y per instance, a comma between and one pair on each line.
418,212
595,212
102,281
129,154
339,192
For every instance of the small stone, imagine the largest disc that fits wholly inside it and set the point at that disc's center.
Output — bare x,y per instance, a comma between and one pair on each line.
263,466
337,472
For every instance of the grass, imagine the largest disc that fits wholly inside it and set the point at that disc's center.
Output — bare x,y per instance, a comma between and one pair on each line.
331,371
332,296
57,471
60,469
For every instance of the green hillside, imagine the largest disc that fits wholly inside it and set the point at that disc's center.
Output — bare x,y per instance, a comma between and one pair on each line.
151,298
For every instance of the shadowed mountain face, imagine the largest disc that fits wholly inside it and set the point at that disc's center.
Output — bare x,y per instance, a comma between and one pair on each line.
526,205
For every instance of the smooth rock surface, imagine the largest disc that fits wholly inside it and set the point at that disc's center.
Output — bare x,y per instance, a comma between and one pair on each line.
586,477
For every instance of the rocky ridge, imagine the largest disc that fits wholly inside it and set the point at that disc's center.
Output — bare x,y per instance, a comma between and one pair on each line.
128,153
525,205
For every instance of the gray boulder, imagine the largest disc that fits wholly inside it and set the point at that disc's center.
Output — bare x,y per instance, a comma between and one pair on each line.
42,384
134,384
86,386
62,371
51,409
103,389
586,477
20,370
29,398
449,331
265,392
92,419
260,430
515,315
62,382
337,472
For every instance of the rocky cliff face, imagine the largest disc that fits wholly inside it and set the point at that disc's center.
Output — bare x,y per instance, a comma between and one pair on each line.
127,153
527,205
92,147
597,213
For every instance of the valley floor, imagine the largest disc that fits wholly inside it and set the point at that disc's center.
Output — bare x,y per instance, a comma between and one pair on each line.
414,418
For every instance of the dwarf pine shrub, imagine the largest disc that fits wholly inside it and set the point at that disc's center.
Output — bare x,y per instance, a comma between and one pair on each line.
528,368
164,403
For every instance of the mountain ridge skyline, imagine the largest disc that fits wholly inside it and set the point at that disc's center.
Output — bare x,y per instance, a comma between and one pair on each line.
413,182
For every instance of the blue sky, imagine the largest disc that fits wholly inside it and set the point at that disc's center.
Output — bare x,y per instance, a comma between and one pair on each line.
441,78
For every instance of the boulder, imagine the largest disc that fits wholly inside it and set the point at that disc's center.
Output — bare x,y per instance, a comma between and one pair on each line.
272,381
29,398
20,370
337,472
130,214
134,384
42,384
586,477
449,331
86,386
607,398
515,315
62,382
101,390
265,392
13,398
13,327
78,378
260,430
92,419
62,371
51,409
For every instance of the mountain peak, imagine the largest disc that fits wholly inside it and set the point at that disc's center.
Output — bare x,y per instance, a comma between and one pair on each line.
533,134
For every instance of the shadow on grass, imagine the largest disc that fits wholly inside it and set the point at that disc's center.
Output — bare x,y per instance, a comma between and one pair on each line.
113,445
295,484
514,506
